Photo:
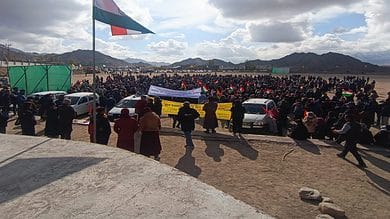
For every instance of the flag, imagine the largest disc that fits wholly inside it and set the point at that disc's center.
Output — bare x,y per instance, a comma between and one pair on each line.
205,88
347,93
183,85
219,92
108,12
242,89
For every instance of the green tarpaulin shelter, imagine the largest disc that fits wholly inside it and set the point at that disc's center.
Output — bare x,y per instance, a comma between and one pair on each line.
280,70
40,78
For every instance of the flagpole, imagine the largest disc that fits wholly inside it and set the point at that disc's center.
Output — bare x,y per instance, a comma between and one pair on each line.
94,74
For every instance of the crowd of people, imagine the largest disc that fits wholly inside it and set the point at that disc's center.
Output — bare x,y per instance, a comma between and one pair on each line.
304,107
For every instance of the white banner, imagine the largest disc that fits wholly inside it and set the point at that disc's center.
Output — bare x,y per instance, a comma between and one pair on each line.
164,92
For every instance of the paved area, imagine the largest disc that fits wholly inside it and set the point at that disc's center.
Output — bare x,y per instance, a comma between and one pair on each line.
45,178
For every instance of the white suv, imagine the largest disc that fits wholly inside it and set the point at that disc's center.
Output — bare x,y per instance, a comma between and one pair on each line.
256,112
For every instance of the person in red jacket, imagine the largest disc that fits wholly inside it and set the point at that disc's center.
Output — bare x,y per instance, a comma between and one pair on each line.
125,126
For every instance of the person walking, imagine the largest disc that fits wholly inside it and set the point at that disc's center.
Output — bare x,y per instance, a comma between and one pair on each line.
27,119
187,116
125,127
66,114
351,130
238,113
150,125
210,118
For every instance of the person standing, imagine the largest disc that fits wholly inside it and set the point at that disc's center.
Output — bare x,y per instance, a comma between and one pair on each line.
150,126
27,119
52,122
126,126
238,113
386,111
157,106
140,106
210,119
186,117
351,130
66,114
3,120
103,128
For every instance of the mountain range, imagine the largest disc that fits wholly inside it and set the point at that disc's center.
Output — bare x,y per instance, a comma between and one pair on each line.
297,62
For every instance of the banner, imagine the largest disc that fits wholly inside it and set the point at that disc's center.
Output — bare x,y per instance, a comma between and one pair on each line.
172,108
164,92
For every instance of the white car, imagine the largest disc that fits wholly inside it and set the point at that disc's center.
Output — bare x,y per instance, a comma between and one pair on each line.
256,111
82,102
128,102
55,94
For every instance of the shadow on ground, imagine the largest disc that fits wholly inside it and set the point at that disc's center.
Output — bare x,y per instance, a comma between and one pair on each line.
308,146
27,175
187,164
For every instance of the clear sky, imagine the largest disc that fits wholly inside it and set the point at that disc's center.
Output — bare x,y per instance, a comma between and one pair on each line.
233,30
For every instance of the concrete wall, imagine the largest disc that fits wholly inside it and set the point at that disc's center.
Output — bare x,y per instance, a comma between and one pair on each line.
46,178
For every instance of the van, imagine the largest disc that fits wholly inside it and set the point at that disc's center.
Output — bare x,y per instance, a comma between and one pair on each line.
82,102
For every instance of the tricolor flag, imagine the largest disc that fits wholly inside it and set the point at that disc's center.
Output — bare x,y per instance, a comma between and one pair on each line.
205,88
108,12
347,93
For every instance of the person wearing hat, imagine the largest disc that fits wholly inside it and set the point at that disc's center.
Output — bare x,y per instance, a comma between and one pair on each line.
150,125
125,127
103,128
66,114
351,130
186,117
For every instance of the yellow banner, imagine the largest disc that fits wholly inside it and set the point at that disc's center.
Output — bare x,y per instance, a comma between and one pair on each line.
172,108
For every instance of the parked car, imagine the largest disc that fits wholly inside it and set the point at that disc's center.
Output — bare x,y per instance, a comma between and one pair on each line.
55,94
82,102
128,102
256,111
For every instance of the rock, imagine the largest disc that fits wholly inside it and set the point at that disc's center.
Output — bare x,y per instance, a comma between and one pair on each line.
324,216
331,209
309,194
327,199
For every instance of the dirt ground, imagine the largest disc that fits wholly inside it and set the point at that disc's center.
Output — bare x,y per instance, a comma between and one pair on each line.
254,172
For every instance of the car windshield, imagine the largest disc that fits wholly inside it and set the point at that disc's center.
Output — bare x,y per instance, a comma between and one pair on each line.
73,100
126,104
254,108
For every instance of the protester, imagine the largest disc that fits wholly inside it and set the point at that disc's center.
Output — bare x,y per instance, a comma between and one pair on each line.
157,106
52,122
299,131
238,113
66,114
382,138
103,128
187,116
125,127
27,119
150,126
210,118
3,120
140,106
351,130
311,123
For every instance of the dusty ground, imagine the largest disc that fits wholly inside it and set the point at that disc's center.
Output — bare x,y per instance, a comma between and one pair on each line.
255,173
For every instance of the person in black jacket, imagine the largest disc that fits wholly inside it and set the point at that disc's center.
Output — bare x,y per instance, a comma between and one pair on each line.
351,130
27,119
103,128
52,122
299,132
238,113
186,117
3,120
66,114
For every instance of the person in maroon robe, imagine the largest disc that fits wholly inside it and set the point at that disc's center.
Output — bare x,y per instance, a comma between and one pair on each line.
125,126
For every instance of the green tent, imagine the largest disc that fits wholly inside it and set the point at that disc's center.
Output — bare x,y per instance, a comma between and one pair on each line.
40,78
